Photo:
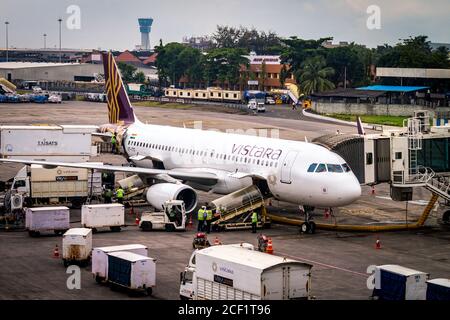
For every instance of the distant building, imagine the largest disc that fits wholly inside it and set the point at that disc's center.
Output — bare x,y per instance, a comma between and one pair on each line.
129,58
330,45
203,43
436,45
44,55
145,27
264,72
38,71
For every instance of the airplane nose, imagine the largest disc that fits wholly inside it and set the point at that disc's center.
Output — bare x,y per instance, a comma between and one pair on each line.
350,191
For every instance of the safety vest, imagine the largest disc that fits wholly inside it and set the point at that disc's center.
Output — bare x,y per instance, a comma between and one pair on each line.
119,193
113,139
254,217
208,214
200,214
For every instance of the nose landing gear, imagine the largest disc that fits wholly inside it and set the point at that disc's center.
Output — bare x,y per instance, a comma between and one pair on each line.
308,226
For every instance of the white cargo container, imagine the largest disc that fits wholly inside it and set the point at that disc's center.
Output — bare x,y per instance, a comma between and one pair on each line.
100,258
71,143
394,282
47,219
232,272
132,271
110,215
77,246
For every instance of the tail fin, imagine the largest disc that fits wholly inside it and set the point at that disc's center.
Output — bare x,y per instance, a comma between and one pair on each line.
360,126
119,106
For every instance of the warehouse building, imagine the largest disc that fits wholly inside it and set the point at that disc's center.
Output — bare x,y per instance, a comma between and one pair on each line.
14,71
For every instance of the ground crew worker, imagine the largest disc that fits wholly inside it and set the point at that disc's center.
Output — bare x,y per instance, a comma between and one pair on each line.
254,221
209,216
113,143
108,195
119,195
201,218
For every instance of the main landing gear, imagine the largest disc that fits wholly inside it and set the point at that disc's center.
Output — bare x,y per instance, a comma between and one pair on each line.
308,226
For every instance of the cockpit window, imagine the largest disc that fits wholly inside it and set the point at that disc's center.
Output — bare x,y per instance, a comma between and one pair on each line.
334,168
312,167
346,167
321,168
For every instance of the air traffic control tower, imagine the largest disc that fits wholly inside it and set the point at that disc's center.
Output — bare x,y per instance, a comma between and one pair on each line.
145,26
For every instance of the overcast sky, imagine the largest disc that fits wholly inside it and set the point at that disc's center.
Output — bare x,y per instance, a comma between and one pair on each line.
112,24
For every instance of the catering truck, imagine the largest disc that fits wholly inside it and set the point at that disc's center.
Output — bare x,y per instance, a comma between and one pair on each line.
35,185
233,272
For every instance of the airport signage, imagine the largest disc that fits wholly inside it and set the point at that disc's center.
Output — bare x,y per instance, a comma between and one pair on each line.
252,82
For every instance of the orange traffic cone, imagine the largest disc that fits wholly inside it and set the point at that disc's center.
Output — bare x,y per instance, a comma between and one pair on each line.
137,220
216,241
378,244
269,248
56,252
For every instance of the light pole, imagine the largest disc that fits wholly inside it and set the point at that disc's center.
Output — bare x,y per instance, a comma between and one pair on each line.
60,55
7,45
45,41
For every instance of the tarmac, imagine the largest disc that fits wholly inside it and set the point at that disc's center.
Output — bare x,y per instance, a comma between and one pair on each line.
340,259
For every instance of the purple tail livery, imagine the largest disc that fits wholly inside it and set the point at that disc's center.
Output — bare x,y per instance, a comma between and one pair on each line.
120,110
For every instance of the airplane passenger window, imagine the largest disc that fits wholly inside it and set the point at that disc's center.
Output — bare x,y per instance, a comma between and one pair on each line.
346,167
312,167
321,168
334,168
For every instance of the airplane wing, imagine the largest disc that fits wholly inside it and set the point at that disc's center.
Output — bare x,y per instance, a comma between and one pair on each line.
205,178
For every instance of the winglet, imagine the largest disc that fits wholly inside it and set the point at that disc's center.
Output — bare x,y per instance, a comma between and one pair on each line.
360,126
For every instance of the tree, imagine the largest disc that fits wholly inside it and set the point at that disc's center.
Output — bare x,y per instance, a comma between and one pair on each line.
349,64
127,71
283,75
314,74
298,50
139,77
170,68
224,65
263,75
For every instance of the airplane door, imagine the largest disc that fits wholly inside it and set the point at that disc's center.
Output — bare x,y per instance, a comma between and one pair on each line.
286,167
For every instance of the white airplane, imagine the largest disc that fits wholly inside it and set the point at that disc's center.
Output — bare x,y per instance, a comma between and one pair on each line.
176,161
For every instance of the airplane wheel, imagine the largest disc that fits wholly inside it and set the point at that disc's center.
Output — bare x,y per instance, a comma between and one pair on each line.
304,228
312,227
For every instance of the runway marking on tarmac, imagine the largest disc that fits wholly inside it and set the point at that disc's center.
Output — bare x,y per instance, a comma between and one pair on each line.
325,265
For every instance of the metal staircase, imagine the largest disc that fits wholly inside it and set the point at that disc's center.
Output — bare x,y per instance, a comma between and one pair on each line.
439,185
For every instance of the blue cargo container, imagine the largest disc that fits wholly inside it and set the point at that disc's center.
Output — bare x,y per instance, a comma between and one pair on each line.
438,289
393,282
132,271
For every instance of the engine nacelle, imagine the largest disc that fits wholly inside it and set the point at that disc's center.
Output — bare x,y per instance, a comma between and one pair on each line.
159,193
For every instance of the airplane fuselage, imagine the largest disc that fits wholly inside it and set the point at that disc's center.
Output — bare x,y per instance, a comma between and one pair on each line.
286,165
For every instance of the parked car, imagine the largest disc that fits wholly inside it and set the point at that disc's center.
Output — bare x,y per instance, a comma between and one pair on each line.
270,100
55,98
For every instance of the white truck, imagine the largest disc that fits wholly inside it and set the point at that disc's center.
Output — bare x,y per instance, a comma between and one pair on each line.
34,185
77,246
100,258
70,143
232,272
47,219
173,217
131,271
111,215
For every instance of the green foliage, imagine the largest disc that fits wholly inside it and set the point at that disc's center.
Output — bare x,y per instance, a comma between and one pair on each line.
129,73
313,75
372,119
247,39
413,53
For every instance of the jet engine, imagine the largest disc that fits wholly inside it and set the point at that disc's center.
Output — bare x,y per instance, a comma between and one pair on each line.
159,193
